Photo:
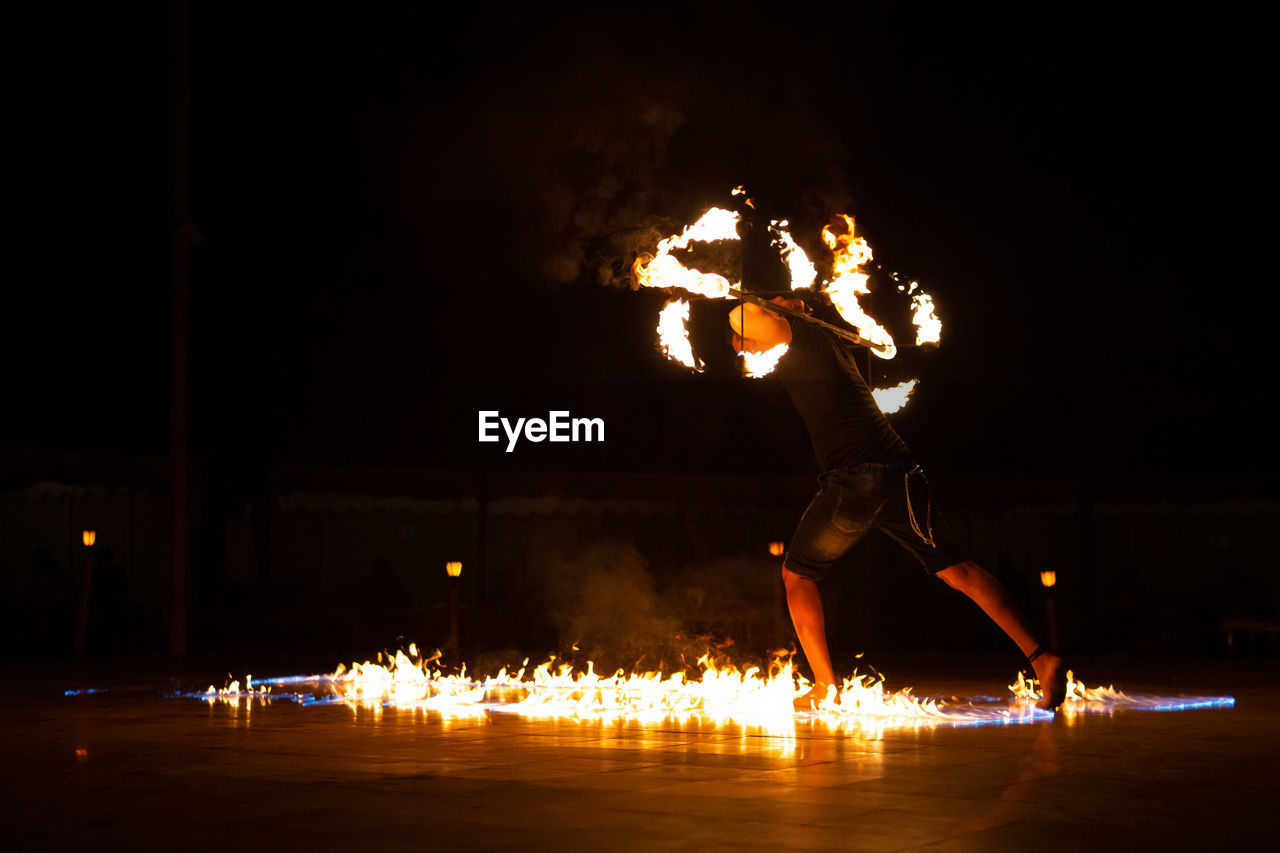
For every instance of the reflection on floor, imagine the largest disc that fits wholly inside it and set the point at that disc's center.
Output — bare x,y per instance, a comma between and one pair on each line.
132,764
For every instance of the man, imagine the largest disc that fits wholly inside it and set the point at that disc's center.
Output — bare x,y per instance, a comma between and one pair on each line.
870,480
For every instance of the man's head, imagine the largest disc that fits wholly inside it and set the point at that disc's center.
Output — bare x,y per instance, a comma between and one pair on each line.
749,345
763,329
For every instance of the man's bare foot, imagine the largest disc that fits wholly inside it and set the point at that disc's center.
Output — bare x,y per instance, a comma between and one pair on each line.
814,697
1052,675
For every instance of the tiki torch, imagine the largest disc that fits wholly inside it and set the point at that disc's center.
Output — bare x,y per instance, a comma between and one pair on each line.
87,537
453,569
777,549
1048,580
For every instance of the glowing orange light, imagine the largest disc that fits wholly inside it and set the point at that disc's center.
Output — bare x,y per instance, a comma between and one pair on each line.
849,281
453,568
1048,578
776,548
890,400
88,537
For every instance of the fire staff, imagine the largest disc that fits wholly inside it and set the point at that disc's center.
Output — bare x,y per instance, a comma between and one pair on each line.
870,480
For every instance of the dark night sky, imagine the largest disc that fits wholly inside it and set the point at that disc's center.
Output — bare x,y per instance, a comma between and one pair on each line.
405,221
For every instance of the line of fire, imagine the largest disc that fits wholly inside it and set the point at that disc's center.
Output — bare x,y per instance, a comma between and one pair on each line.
800,428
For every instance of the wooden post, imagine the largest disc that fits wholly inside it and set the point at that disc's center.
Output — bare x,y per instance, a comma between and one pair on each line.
453,614
482,535
83,598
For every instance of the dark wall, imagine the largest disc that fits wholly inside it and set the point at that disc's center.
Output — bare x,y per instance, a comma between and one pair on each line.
339,571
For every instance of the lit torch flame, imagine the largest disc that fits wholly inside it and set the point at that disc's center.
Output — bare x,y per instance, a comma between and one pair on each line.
892,399
848,281
928,326
664,270
762,363
803,272
673,333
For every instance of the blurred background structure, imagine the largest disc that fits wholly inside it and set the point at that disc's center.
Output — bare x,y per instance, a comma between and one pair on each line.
337,560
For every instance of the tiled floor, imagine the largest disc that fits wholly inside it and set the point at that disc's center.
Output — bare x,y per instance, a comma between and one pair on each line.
172,773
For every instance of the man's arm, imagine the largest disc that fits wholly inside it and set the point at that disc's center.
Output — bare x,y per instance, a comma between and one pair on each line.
759,324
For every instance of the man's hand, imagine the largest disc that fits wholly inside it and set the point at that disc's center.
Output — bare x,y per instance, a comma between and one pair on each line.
796,305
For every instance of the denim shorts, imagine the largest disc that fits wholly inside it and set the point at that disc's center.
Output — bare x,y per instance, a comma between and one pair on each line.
851,501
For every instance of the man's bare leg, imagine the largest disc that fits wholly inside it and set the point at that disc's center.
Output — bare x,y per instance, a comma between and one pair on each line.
805,604
991,595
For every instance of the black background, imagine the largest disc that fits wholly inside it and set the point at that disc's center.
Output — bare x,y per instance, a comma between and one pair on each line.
1086,195
405,218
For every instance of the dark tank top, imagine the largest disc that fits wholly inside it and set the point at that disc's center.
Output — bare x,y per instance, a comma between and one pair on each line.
845,424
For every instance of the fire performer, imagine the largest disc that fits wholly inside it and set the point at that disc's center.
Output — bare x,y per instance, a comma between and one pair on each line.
870,480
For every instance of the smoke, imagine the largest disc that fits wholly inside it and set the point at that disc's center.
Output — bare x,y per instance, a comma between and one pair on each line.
604,601
608,156
600,197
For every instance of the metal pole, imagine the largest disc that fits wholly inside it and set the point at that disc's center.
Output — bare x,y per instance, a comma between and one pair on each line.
762,300
1051,610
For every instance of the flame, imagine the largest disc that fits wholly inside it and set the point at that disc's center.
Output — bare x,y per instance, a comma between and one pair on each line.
893,399
664,270
928,326
717,693
1078,695
849,281
673,333
762,363
238,697
404,682
803,272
